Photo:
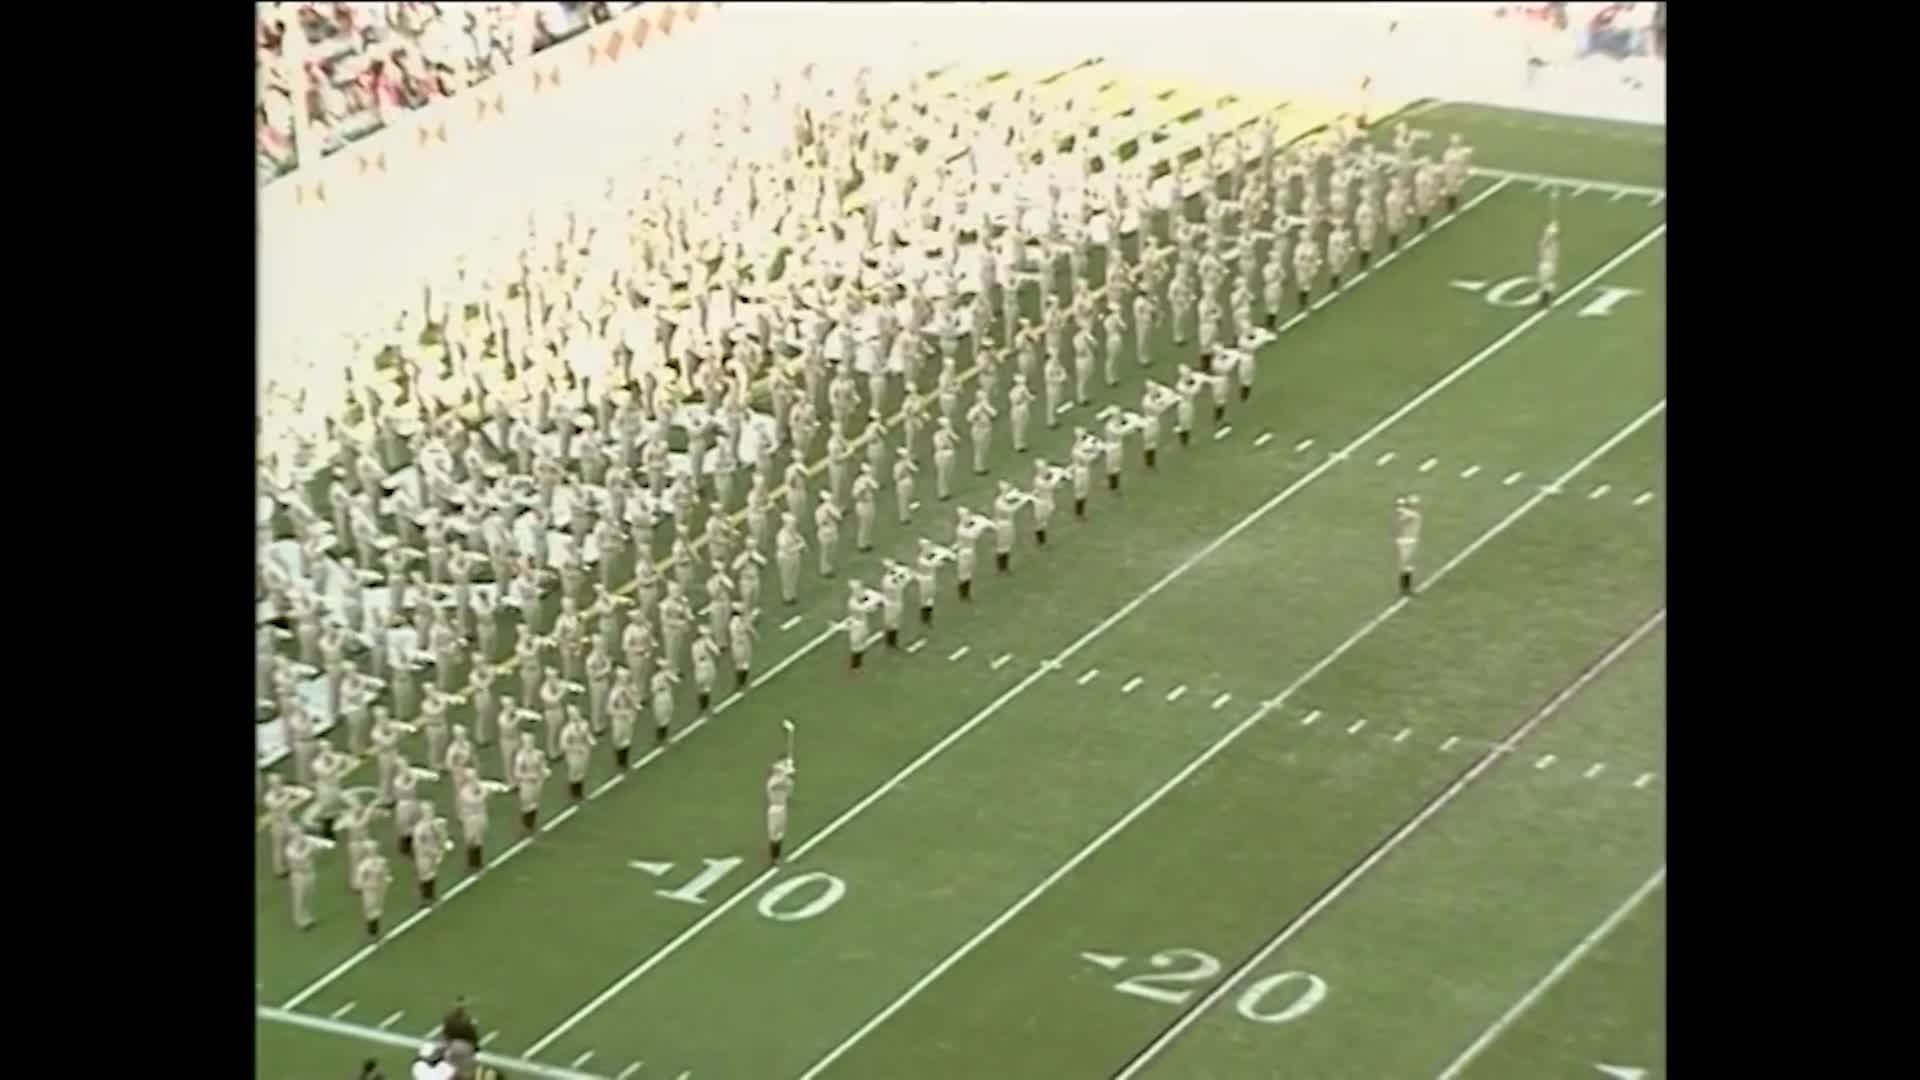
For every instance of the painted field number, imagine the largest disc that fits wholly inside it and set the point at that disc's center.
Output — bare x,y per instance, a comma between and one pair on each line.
796,899
1177,974
1523,291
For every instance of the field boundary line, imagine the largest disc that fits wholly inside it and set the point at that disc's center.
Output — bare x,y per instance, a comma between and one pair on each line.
408,1042
1608,186
1539,990
1227,740
1252,517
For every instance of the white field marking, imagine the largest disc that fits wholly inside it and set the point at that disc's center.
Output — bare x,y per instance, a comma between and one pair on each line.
1618,195
1064,409
1569,181
1644,780
629,1070
685,1074
1105,960
1643,498
1601,491
1354,728
1543,185
1512,479
1219,746
913,506
1384,459
1073,649
1302,446
918,644
1177,692
1307,720
1452,741
1427,465
366,951
584,1057
1545,761
392,1020
1220,701
1527,1000
1329,298
1223,432
1131,685
1594,770
1300,922
790,623
377,1036
1265,438
959,652
611,780
1088,676
1001,661
1402,736
1581,190
1469,472
1657,199
489,1037
560,817
342,1010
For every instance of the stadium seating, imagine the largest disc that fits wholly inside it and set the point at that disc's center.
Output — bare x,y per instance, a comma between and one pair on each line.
348,66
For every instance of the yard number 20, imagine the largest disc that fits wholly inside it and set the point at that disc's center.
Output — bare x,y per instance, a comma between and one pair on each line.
1173,984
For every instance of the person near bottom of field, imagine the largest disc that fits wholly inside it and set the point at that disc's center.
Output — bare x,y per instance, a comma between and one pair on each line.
779,793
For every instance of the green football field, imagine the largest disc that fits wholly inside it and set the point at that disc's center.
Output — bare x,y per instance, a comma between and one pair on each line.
1192,792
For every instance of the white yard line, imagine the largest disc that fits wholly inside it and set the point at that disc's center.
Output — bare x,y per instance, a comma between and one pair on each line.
993,707
1240,729
1542,181
1305,918
1532,996
378,1036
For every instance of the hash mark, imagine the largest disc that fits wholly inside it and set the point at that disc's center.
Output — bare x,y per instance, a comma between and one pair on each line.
1177,692
1643,498
1223,433
1512,479
1302,446
918,644
1307,720
959,652
1601,491
1000,661
1452,741
1132,685
629,1070
583,1059
1469,472
391,1020
1545,760
1404,732
1220,701
1645,779
1427,465
1618,195
489,1037
342,1010
1354,728
1596,769
790,623
1090,675
1264,439
1384,458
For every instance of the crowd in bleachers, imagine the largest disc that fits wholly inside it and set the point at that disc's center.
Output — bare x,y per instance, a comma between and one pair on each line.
351,65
